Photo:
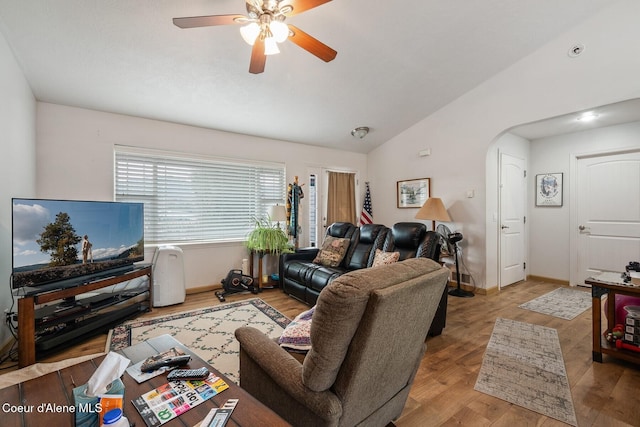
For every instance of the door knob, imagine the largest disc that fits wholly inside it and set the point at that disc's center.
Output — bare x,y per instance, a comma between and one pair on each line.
504,226
582,228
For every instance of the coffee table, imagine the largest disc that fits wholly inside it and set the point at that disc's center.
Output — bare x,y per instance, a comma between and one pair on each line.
55,391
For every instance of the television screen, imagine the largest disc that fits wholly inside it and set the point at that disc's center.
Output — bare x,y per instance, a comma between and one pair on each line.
55,240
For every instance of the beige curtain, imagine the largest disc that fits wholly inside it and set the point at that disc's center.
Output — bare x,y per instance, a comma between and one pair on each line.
341,198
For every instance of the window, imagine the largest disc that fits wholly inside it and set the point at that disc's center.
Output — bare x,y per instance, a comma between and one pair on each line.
313,210
196,198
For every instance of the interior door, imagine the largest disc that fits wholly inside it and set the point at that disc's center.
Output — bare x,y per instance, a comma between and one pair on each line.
513,190
608,213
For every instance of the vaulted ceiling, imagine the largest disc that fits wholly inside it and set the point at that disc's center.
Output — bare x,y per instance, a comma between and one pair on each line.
397,62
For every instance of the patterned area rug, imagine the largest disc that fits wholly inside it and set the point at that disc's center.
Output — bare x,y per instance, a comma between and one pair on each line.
564,303
523,365
208,332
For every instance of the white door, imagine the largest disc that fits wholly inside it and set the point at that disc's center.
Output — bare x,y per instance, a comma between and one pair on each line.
513,193
608,213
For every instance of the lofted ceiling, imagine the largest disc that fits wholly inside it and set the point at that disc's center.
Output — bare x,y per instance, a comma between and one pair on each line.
397,62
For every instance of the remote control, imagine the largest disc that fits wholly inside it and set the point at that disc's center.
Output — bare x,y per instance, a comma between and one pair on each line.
218,417
171,361
188,374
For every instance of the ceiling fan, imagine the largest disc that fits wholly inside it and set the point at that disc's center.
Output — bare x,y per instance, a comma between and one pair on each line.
264,27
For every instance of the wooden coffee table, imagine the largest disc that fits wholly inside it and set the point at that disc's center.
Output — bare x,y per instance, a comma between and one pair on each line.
55,390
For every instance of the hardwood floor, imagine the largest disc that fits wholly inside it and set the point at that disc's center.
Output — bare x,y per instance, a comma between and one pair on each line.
604,394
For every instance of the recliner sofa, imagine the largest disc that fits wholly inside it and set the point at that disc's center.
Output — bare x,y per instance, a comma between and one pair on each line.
303,279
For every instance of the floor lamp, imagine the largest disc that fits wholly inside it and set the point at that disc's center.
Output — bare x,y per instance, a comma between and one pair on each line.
434,210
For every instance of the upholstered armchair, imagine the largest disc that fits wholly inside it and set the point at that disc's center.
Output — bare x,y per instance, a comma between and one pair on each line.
368,339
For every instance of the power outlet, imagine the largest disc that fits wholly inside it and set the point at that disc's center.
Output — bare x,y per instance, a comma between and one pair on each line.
10,316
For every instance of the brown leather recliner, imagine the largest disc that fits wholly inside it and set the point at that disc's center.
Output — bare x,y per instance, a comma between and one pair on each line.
411,240
367,337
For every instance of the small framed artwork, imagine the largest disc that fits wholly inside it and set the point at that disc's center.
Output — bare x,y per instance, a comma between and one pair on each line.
549,189
412,193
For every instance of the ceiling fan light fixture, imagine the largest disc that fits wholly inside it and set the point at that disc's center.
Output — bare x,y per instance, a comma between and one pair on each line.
250,33
264,24
271,46
280,30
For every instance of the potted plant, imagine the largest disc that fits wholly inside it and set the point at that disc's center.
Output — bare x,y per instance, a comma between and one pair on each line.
267,238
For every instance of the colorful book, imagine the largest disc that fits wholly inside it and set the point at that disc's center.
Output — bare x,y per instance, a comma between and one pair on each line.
176,397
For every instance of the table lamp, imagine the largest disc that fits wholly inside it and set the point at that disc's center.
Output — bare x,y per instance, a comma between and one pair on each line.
277,213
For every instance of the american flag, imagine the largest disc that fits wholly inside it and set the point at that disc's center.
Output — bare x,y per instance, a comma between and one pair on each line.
366,217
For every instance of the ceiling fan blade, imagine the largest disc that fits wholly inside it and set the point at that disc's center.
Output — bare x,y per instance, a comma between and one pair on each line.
300,6
258,58
207,21
311,44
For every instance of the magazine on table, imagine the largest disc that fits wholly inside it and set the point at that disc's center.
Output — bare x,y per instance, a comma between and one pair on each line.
176,397
136,372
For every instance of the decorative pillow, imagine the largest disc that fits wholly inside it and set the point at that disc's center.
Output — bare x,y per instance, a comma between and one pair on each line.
296,336
332,252
385,258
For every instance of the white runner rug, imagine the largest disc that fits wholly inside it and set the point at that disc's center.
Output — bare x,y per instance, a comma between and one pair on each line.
564,303
523,365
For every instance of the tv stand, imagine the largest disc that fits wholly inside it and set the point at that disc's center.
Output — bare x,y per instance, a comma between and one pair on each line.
68,302
27,327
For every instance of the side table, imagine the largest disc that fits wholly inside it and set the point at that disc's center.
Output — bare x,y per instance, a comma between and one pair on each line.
260,255
602,284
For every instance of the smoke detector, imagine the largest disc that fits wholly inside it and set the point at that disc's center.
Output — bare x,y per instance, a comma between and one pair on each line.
575,50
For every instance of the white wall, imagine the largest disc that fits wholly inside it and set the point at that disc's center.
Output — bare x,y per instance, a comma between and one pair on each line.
75,161
545,84
17,162
551,237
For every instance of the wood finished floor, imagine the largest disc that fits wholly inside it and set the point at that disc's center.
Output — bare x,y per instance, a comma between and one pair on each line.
606,394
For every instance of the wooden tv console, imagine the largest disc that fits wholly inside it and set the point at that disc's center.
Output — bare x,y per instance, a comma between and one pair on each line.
27,312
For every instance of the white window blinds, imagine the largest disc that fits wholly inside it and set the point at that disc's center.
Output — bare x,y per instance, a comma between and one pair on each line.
196,199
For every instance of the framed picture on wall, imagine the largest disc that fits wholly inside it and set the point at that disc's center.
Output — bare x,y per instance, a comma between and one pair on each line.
549,189
412,193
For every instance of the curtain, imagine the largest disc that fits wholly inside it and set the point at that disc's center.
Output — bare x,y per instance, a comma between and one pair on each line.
341,198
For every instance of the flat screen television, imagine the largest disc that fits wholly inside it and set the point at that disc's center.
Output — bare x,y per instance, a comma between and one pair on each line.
72,240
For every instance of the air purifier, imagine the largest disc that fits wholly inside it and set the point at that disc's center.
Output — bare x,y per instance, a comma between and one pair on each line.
168,276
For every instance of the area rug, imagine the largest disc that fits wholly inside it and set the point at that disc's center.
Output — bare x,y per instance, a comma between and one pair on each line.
208,332
523,365
564,303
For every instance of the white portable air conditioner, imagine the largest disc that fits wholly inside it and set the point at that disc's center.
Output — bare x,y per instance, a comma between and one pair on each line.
168,276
